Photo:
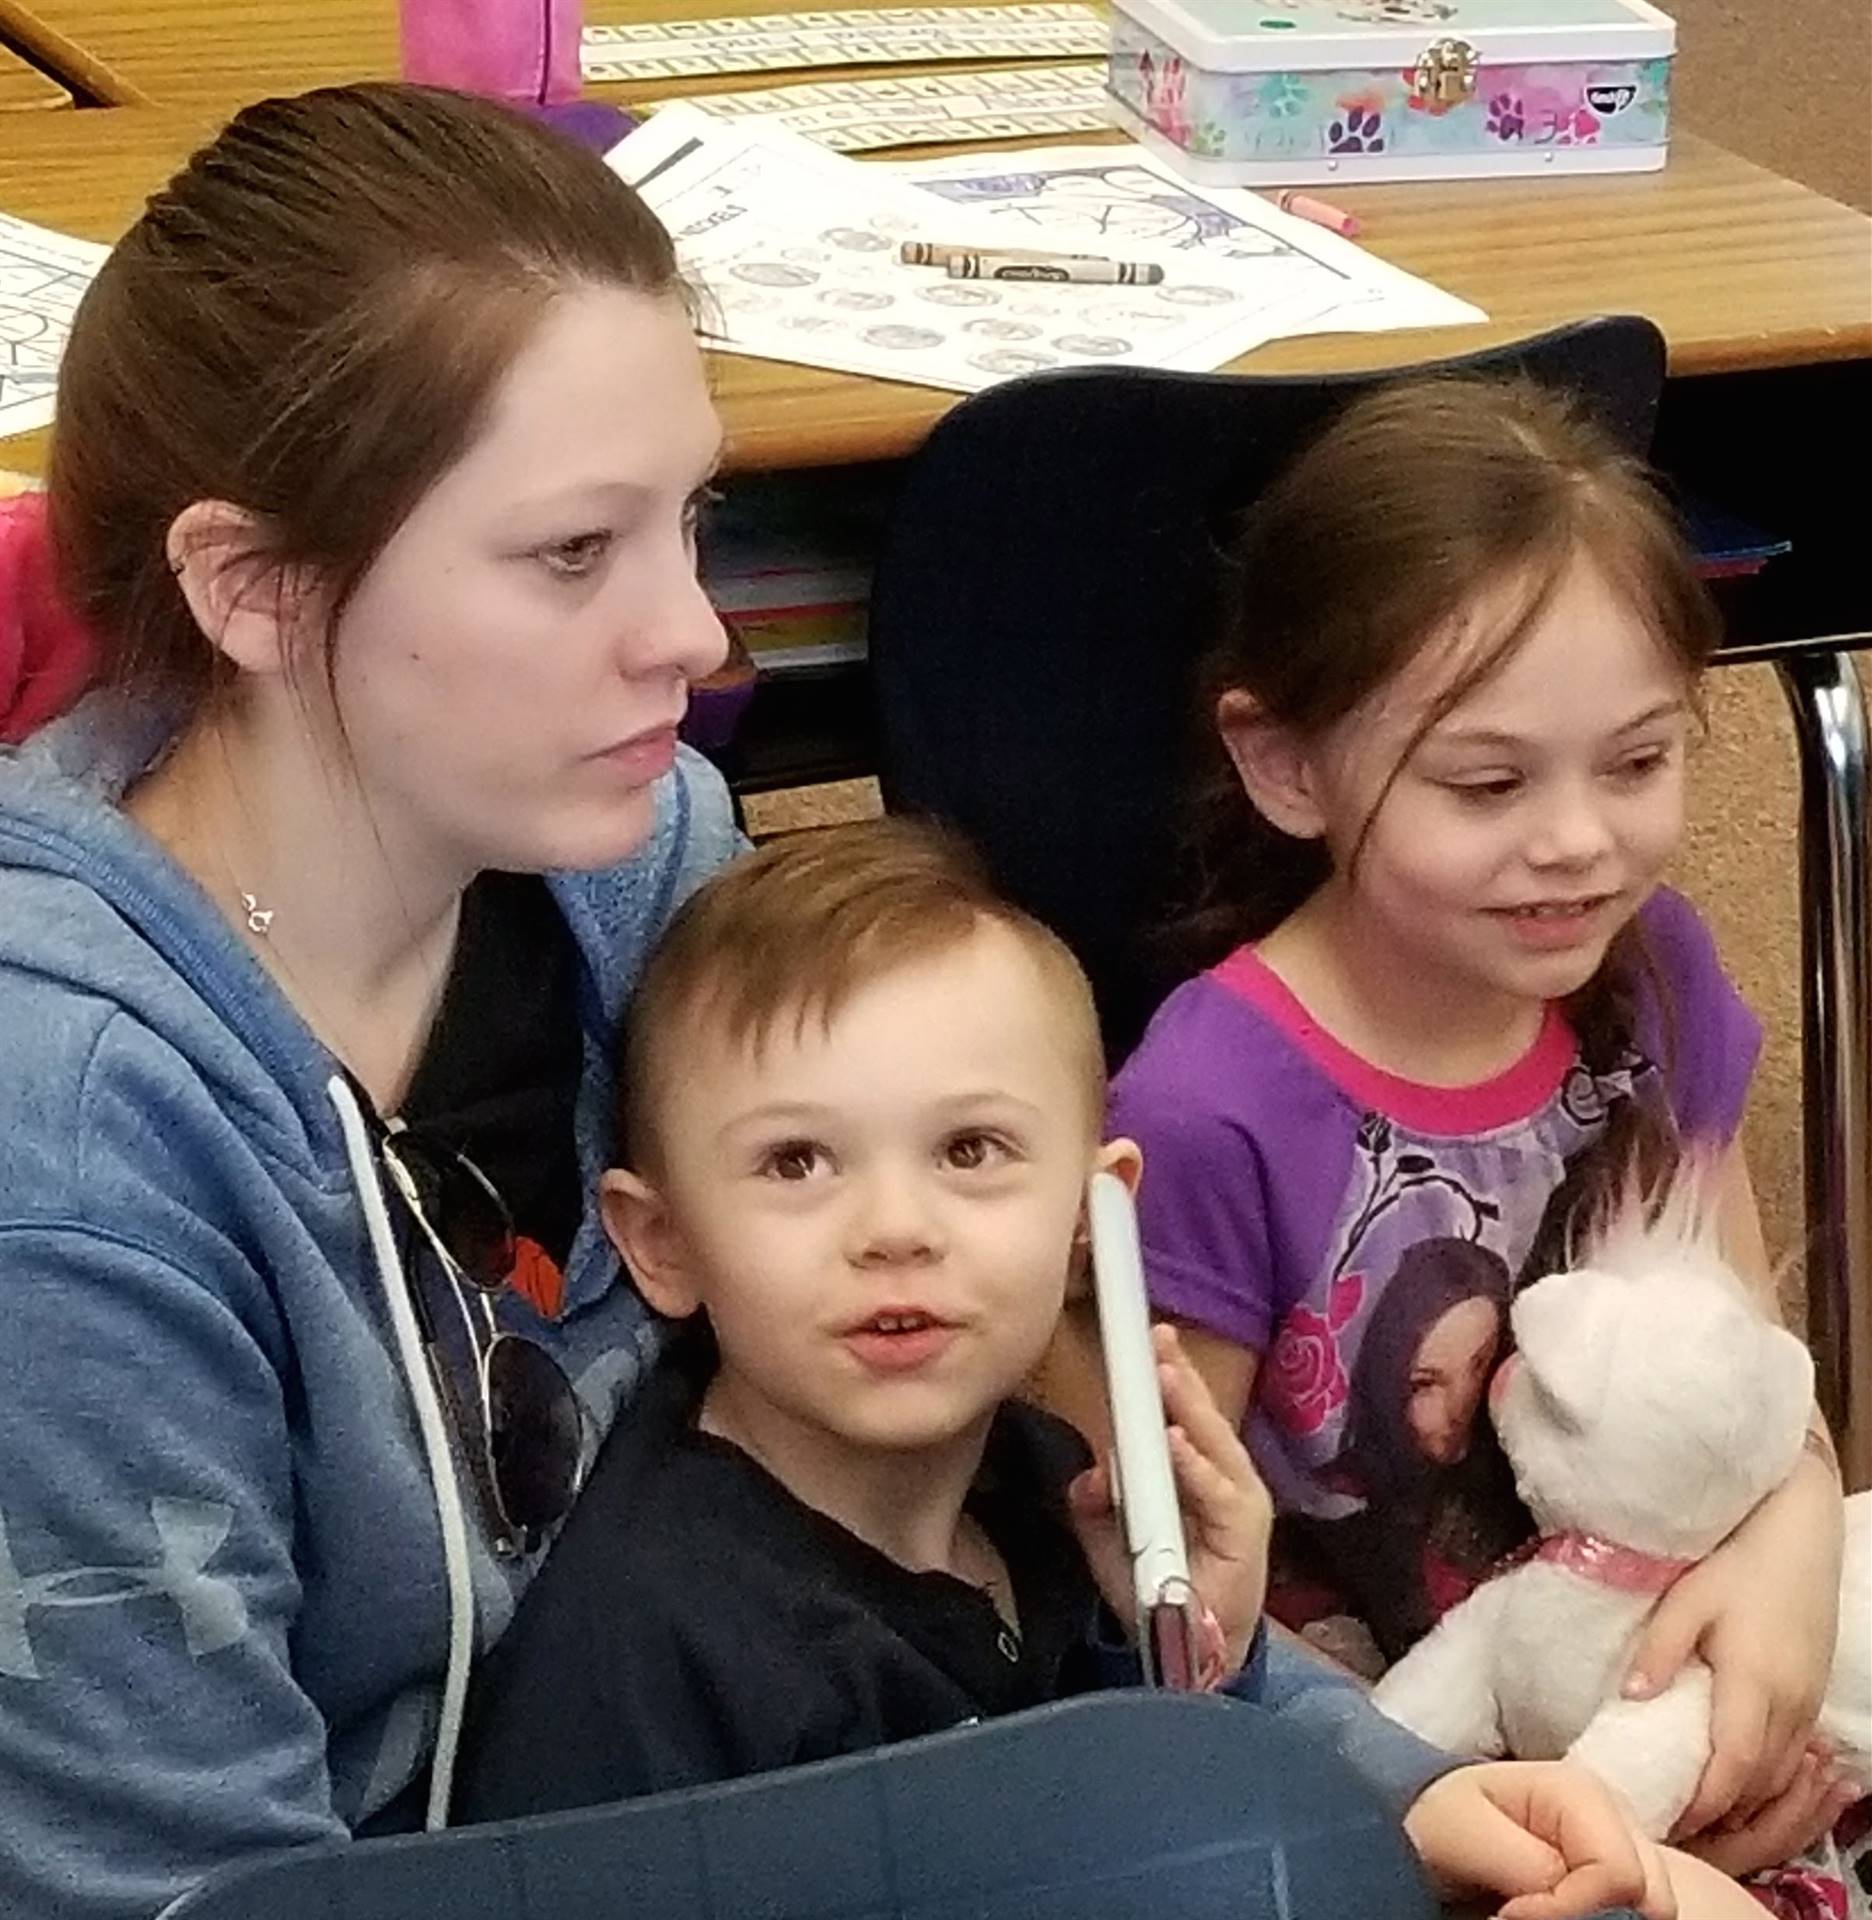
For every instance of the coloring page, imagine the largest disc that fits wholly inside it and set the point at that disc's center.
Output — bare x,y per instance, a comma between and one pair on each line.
796,250
42,277
1123,200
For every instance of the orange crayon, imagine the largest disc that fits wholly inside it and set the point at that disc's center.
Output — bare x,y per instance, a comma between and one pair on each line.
1322,213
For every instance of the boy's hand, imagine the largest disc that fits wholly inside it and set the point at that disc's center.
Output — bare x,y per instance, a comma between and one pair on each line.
1546,1833
1763,1611
1227,1515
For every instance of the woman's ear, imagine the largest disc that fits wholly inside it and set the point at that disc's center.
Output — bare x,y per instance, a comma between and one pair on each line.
250,608
1274,767
649,1242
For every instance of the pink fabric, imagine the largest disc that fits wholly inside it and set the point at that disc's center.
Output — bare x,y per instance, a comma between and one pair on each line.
1833,1882
1512,1095
45,655
522,51
1801,1893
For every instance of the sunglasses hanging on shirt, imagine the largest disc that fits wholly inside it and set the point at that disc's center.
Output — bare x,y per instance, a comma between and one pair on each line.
531,1444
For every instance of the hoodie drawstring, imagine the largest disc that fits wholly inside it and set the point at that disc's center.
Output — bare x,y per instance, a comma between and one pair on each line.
362,1155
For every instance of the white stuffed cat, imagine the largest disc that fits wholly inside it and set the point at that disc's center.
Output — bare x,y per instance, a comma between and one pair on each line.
1648,1407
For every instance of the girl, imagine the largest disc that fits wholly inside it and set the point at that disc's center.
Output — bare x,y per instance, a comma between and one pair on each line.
379,444
1447,998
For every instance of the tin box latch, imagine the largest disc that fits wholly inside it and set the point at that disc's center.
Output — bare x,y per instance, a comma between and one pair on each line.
1446,72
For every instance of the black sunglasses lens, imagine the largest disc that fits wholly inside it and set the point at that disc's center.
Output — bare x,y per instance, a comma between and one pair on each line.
464,1212
534,1432
473,1223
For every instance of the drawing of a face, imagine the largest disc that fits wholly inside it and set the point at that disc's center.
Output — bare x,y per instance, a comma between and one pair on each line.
1448,1377
1114,203
1011,360
1093,346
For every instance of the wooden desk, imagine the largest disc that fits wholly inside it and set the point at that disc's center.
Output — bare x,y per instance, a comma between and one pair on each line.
142,52
1743,271
25,88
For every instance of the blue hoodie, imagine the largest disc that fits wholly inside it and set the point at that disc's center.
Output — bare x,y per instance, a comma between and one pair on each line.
225,1600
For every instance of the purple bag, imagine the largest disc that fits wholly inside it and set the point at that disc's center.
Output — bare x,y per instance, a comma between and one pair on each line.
522,51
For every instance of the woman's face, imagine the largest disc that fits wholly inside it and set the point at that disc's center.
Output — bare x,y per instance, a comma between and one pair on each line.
511,671
1448,1377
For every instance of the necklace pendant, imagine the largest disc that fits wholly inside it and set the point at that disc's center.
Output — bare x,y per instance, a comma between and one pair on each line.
259,918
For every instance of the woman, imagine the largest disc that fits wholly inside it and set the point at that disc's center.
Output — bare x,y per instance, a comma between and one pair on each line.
379,444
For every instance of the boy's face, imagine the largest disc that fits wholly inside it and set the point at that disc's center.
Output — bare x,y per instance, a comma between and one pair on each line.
878,1217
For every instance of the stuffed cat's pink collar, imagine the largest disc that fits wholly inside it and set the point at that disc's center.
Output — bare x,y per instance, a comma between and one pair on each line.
1608,1564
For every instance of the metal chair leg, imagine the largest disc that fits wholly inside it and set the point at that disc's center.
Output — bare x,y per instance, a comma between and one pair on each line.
1829,712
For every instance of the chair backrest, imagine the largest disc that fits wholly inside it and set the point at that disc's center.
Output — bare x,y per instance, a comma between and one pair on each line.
1117,1806
1044,595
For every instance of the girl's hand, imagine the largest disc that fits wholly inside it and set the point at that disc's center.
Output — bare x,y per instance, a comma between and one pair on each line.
1549,1834
1786,1826
1227,1515
1763,1611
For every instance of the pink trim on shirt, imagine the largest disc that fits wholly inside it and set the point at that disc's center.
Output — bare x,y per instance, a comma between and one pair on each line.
1516,1093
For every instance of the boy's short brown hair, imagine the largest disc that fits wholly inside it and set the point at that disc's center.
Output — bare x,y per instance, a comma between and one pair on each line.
795,929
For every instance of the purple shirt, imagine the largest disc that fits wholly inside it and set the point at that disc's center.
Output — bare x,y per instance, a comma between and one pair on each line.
1289,1185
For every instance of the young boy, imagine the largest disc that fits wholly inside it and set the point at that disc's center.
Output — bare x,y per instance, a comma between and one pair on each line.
862,1097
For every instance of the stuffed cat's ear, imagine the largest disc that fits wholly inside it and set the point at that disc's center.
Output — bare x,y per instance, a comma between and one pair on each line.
1566,1328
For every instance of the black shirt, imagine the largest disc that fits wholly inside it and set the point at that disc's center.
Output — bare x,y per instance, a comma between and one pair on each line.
696,1622
499,1078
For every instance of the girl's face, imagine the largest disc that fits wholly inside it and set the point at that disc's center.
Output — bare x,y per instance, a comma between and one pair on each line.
1531,821
512,669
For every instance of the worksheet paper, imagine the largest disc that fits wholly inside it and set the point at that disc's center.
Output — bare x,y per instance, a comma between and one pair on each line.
929,109
42,277
883,36
795,251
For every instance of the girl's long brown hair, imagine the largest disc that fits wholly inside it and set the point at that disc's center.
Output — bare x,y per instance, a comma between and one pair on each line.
1419,500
